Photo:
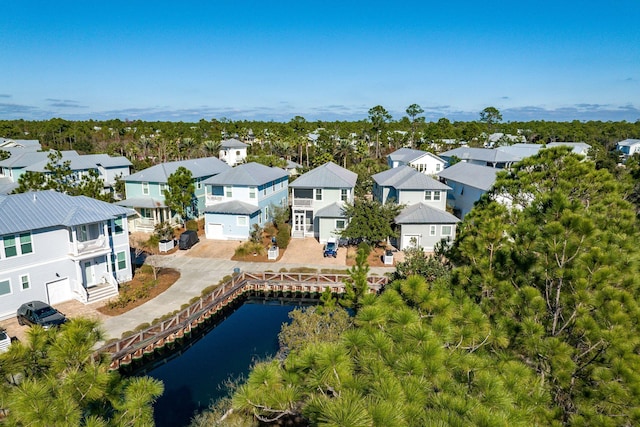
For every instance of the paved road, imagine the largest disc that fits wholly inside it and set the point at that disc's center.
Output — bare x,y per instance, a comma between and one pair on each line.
195,275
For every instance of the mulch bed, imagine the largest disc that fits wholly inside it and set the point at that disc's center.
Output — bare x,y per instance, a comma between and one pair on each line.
166,278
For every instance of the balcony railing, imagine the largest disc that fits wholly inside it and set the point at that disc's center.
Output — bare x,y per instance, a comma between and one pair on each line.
302,203
89,246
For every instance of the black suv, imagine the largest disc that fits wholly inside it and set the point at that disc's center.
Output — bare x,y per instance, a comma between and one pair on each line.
39,313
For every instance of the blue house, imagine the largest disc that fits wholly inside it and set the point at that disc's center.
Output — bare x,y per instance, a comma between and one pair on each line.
145,190
468,183
238,198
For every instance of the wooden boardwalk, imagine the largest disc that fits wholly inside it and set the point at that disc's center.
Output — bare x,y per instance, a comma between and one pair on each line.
125,350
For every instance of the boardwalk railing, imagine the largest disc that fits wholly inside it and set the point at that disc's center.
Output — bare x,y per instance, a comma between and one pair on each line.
158,335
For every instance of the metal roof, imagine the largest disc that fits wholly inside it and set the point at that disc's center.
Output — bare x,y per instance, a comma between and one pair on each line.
233,143
328,175
200,168
44,209
234,207
628,142
249,174
334,210
421,213
476,176
481,154
7,185
407,155
142,202
407,178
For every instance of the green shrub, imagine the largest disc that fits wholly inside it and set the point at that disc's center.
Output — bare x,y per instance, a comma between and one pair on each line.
192,225
284,236
142,327
126,334
250,248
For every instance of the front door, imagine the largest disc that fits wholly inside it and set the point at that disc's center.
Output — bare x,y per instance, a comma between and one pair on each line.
88,273
298,221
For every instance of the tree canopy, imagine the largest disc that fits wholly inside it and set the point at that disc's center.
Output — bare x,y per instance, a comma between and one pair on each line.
180,193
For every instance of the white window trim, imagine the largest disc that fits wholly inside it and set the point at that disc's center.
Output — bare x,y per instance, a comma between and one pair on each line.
253,192
242,221
432,230
118,261
28,282
10,287
145,188
450,230
317,192
429,193
344,224
436,195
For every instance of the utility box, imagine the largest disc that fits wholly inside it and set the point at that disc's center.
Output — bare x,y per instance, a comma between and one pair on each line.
387,258
273,252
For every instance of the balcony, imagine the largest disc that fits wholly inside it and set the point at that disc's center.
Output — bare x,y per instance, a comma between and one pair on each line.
302,203
212,200
89,247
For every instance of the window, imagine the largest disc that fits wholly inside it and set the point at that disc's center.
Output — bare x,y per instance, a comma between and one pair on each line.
24,282
122,261
145,188
318,193
88,232
5,287
252,192
237,153
432,230
343,194
436,195
242,221
340,223
199,185
10,246
228,192
113,262
427,194
163,187
25,244
281,184
446,230
117,225
438,165
264,190
266,213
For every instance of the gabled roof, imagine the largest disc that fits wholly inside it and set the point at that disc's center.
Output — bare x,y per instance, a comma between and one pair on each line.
407,155
107,161
421,213
334,210
76,163
521,150
7,185
233,207
292,165
578,147
476,176
328,175
44,209
249,174
233,143
23,144
481,154
200,168
407,178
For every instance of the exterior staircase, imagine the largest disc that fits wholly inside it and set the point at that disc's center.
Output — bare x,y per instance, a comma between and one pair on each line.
101,292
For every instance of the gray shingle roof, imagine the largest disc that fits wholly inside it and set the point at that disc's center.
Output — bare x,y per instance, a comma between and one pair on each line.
421,213
328,175
407,155
200,168
234,207
233,143
43,209
407,178
334,210
248,174
476,176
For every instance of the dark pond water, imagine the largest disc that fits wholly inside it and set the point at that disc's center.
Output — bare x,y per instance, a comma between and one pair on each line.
193,378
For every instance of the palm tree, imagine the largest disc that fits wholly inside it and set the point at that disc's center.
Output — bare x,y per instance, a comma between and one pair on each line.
211,148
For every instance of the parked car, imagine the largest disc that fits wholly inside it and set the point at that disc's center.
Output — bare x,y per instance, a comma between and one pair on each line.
39,313
5,341
331,248
188,239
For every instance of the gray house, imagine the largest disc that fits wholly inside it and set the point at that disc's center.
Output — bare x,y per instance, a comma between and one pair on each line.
317,199
468,183
56,248
424,220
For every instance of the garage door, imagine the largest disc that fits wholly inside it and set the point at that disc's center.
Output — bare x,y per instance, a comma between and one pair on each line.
59,291
215,231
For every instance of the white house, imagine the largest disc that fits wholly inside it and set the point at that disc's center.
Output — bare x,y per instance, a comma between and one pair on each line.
55,248
628,147
317,198
422,161
233,151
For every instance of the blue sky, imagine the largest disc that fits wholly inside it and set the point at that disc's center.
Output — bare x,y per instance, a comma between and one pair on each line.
330,60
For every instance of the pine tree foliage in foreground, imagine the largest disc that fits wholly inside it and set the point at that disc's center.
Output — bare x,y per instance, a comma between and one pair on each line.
52,380
537,324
